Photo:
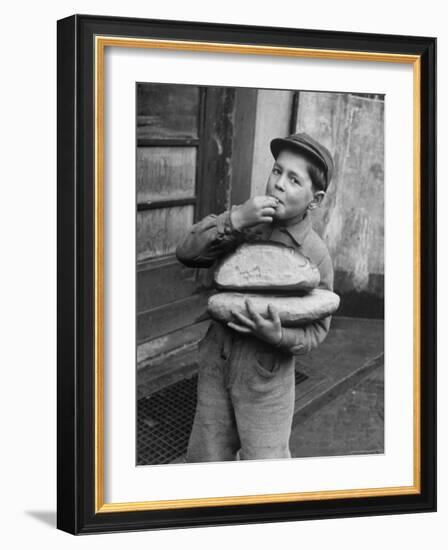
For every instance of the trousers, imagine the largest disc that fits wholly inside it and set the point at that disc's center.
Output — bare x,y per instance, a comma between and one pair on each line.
245,399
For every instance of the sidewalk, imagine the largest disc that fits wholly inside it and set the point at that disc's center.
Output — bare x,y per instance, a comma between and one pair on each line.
340,406
352,423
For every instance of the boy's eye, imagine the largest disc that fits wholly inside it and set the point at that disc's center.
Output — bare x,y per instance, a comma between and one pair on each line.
295,180
276,170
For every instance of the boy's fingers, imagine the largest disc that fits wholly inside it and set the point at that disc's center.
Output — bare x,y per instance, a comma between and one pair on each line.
243,319
270,201
274,314
239,328
253,313
265,199
268,211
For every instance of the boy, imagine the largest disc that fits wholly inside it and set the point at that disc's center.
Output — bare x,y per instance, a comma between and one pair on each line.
246,384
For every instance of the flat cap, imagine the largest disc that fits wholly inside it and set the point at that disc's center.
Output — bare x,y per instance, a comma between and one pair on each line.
305,143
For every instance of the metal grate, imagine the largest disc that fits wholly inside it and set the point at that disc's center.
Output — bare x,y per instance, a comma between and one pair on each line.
164,422
165,419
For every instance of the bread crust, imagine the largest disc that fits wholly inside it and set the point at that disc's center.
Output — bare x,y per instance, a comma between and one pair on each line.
266,266
293,310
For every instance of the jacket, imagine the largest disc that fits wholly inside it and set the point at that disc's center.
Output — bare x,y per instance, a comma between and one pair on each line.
214,237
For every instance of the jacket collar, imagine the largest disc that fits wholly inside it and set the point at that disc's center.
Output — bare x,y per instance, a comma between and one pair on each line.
299,230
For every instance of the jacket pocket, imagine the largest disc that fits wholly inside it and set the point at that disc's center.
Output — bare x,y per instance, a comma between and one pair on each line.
266,363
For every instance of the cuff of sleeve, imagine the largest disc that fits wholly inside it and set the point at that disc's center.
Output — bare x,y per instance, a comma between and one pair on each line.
288,343
224,224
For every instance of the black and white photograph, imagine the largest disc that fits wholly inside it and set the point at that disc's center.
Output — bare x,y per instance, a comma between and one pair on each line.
246,258
224,275
259,273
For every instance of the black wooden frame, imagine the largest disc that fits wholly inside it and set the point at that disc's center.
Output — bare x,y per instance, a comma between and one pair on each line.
76,473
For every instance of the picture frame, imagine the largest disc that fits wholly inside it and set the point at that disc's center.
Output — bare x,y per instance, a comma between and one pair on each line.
82,196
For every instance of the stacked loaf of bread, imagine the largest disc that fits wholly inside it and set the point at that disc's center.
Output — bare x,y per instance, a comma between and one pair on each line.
270,273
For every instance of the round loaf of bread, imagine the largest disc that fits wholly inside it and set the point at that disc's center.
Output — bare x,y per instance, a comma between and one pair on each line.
266,266
293,310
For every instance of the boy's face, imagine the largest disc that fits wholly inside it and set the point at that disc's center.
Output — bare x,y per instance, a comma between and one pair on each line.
291,184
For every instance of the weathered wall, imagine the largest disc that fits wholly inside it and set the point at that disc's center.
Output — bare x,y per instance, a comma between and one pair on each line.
351,219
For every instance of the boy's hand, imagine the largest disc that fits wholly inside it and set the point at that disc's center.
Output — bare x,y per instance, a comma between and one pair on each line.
260,209
268,329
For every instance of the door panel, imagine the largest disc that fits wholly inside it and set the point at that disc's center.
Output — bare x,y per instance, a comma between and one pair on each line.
160,284
168,145
166,173
160,230
184,147
165,319
167,111
152,350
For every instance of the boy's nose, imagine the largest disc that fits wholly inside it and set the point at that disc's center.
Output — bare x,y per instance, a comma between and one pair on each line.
280,183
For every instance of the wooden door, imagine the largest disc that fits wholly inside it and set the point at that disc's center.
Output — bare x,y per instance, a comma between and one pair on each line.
184,136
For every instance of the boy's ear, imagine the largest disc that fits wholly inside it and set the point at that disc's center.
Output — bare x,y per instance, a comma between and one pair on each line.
317,200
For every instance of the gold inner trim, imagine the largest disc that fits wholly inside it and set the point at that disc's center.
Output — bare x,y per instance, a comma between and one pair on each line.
101,42
255,499
212,47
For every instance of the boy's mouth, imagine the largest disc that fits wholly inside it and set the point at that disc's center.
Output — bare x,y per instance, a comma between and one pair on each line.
277,199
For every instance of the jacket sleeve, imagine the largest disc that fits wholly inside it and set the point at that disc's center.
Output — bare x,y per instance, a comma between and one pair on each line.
301,340
208,240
